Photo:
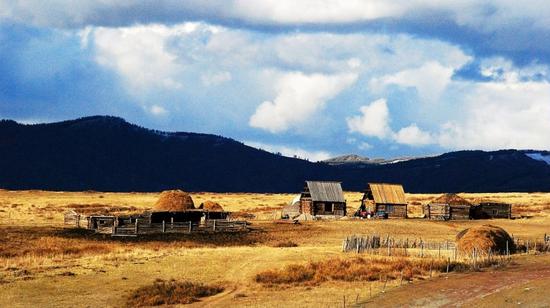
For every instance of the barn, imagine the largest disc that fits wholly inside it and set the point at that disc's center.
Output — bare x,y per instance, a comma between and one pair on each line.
322,198
448,207
384,199
488,210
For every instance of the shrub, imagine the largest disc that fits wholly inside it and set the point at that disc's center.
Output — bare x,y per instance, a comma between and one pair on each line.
286,244
171,293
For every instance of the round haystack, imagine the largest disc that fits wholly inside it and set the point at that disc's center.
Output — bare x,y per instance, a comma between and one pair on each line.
174,201
483,239
211,206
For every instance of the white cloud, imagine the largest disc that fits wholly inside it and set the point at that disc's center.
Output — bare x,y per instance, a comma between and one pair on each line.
364,146
430,79
373,121
214,79
291,151
413,136
505,114
299,97
139,54
158,110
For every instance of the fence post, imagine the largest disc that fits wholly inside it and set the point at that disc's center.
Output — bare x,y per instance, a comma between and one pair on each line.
136,228
163,226
172,222
190,226
507,250
214,227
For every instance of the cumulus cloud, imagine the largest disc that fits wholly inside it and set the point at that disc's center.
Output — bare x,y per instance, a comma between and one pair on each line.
373,121
506,114
299,97
413,136
492,27
430,80
140,55
291,151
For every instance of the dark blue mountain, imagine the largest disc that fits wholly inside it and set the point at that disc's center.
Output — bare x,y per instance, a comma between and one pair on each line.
108,154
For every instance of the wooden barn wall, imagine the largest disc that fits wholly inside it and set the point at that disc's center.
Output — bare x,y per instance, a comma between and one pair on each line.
493,211
306,205
437,211
338,208
393,210
460,212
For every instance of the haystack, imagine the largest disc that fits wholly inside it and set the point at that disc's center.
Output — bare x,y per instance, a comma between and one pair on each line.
450,199
483,239
174,201
211,206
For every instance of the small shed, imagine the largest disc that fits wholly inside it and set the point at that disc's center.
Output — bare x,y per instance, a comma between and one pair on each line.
385,198
448,206
323,198
488,210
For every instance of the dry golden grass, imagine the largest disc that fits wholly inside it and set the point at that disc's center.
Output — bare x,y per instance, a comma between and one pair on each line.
353,269
44,264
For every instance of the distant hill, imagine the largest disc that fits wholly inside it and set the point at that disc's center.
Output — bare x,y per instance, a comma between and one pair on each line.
356,159
109,154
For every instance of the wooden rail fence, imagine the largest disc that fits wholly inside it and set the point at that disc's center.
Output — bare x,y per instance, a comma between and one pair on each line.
141,228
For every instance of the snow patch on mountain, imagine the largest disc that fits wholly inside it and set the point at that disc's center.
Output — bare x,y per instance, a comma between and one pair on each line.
539,156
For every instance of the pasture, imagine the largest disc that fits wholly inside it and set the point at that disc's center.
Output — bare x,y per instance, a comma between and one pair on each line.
43,263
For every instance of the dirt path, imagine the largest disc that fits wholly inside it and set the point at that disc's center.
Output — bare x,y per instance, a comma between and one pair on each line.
473,289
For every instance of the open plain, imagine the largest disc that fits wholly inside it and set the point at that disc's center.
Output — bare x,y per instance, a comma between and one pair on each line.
44,263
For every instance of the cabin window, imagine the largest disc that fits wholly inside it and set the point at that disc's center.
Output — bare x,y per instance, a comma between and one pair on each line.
389,209
328,207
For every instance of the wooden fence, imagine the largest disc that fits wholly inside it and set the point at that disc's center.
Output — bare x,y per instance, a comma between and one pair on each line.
390,246
177,227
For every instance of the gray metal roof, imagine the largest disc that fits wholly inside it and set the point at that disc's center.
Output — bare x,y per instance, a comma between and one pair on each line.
326,191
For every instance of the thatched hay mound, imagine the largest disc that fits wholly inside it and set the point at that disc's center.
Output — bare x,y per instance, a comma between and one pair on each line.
451,199
211,206
174,201
483,239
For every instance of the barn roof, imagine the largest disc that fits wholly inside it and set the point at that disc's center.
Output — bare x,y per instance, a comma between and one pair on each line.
388,193
325,191
451,199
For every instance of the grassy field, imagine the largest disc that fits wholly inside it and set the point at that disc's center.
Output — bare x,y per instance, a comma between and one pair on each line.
42,263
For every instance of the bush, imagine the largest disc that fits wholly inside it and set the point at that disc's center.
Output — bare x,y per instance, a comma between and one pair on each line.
286,244
171,293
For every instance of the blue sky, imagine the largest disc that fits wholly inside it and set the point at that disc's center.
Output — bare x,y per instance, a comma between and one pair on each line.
311,78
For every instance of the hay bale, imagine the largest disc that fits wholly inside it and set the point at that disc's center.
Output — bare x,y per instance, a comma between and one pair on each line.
174,201
211,206
484,238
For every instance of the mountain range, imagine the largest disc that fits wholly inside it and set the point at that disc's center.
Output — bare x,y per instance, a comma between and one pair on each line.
107,153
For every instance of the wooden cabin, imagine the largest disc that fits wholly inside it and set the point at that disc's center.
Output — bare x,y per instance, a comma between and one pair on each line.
488,210
323,198
448,207
384,199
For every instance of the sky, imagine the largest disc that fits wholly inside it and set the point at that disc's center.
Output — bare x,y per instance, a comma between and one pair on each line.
314,79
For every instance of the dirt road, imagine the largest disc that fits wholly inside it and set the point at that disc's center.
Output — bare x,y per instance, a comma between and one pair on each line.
525,283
